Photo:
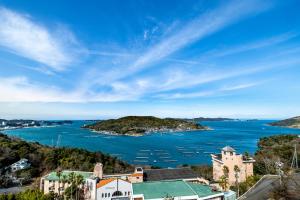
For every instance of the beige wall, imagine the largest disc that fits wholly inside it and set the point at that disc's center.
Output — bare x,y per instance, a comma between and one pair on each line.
49,186
230,159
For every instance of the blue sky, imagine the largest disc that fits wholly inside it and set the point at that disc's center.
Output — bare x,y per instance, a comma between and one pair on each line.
102,59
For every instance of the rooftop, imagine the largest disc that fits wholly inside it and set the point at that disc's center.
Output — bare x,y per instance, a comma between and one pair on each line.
162,189
169,174
228,149
53,175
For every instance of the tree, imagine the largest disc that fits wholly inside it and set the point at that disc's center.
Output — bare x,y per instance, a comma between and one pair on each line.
224,179
236,175
64,180
58,174
223,182
74,188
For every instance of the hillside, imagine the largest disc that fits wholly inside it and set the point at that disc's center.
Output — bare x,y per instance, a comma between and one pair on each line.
139,125
44,159
290,123
274,148
212,119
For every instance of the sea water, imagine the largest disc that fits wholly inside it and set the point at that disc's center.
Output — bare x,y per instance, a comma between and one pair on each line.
159,149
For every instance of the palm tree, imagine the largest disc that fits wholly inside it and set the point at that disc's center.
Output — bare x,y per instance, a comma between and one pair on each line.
64,180
79,181
224,178
58,174
236,174
223,182
72,182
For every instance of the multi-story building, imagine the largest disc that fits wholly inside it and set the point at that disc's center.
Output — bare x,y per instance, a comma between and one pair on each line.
229,158
179,183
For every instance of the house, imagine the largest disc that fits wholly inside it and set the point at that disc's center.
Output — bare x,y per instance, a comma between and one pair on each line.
20,165
230,159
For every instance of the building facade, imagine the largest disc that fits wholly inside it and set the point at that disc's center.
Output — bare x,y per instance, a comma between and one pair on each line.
230,159
151,184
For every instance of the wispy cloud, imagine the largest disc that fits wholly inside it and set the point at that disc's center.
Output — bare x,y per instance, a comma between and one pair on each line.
21,35
197,29
249,46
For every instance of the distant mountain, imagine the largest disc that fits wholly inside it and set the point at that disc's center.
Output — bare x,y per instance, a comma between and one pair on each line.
293,122
139,125
212,119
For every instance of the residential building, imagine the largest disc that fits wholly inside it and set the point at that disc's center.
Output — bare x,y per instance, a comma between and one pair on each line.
230,159
20,165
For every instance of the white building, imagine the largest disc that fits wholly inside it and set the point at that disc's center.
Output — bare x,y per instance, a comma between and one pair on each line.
21,164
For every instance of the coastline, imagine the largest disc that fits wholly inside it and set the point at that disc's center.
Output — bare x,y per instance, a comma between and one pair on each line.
148,132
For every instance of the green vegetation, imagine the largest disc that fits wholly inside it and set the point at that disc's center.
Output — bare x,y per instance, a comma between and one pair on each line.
30,194
270,150
44,159
243,187
274,148
205,171
133,125
291,122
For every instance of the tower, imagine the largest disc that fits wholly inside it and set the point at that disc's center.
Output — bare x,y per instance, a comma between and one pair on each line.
98,170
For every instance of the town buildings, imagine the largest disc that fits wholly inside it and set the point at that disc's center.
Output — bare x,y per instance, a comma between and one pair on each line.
21,164
150,184
229,158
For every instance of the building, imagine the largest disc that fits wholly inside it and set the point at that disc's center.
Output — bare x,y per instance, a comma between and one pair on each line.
181,183
52,183
174,189
230,158
20,165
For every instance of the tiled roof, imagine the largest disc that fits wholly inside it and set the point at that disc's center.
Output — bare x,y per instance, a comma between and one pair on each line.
136,174
104,182
169,174
228,149
162,189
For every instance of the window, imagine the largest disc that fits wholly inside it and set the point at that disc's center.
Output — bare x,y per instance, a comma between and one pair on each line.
117,193
102,195
128,193
108,194
105,195
125,193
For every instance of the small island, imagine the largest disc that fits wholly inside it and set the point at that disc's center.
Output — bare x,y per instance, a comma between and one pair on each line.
141,125
293,122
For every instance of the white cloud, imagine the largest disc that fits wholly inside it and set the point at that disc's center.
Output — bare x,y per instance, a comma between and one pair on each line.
249,46
19,34
197,29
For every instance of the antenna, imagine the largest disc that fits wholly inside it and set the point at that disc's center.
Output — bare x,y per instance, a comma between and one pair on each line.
295,159
58,140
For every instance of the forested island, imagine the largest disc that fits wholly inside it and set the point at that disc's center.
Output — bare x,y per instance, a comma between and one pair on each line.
140,125
293,122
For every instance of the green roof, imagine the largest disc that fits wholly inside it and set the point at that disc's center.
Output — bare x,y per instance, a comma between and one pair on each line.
162,189
53,175
202,190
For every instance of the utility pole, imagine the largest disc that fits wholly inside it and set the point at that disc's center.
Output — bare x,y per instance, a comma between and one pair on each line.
279,166
295,159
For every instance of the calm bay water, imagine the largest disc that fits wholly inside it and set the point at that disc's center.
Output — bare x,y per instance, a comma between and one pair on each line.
164,150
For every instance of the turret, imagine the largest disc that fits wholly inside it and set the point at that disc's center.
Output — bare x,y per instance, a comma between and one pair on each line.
98,170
